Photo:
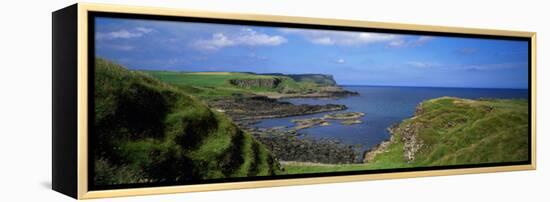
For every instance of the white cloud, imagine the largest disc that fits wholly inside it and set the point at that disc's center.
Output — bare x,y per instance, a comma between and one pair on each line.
340,61
218,40
116,47
422,64
329,37
246,37
253,38
397,43
424,39
496,66
469,67
410,43
121,47
144,30
123,33
323,41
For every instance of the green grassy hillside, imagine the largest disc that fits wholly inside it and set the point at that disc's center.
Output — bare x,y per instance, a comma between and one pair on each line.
212,85
150,131
453,131
450,131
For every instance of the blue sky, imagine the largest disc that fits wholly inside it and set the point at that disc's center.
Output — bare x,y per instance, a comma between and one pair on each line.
353,58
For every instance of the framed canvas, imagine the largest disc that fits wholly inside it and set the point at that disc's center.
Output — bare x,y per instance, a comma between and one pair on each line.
156,100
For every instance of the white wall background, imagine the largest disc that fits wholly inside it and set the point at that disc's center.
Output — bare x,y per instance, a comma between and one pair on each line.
25,100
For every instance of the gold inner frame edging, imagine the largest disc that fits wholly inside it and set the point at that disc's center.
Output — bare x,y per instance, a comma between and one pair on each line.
82,100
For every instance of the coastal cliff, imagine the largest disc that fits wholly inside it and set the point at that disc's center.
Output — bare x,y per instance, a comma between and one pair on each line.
258,82
319,79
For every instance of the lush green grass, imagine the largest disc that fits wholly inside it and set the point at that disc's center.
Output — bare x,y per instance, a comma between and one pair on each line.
213,85
453,131
207,79
151,131
461,131
301,168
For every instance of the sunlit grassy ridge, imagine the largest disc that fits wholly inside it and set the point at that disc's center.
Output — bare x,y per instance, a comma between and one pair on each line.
452,131
150,131
463,131
212,85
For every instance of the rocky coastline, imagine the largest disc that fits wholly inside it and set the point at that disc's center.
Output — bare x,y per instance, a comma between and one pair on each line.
345,118
294,146
262,107
325,92
409,136
288,144
382,147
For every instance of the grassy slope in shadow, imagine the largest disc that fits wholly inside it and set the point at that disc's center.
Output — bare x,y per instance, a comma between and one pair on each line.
150,131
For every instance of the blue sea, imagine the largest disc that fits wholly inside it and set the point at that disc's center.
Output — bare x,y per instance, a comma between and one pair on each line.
383,107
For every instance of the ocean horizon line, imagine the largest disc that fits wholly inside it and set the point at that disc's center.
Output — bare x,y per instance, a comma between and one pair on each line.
458,87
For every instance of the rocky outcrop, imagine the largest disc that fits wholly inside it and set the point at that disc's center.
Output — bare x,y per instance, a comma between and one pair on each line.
381,147
309,122
351,122
257,82
346,118
262,107
409,136
320,92
411,142
344,115
291,146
